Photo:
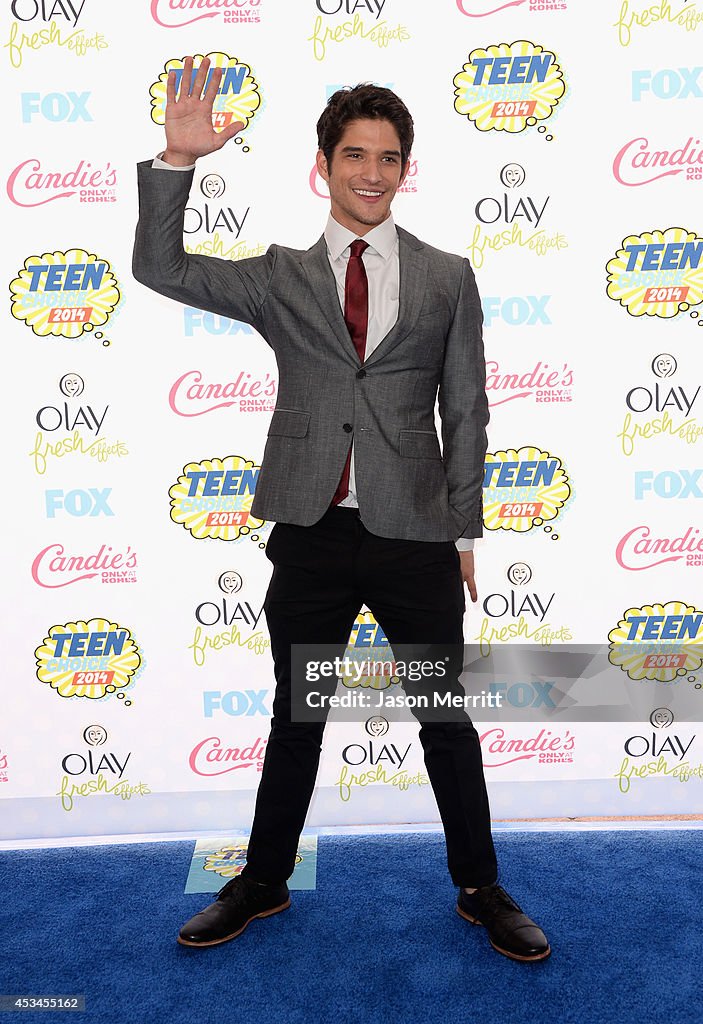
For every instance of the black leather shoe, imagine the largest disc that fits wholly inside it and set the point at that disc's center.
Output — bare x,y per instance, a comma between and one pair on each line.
238,903
510,931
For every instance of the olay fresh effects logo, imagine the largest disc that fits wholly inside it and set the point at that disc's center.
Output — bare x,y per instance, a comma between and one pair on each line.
524,488
212,757
92,659
376,761
485,8
238,97
65,294
541,383
190,395
520,213
73,428
364,23
228,621
213,499
508,87
32,184
667,753
541,747
519,613
216,226
675,402
645,547
177,13
659,641
89,772
665,17
51,23
640,161
658,273
58,566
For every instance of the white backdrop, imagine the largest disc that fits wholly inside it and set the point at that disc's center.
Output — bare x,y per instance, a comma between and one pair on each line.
556,147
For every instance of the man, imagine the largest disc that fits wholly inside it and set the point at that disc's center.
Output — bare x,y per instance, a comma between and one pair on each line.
366,326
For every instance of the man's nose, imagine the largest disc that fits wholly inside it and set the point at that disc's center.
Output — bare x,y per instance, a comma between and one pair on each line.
372,172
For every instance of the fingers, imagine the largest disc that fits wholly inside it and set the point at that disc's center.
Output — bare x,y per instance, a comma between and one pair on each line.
230,131
200,78
471,584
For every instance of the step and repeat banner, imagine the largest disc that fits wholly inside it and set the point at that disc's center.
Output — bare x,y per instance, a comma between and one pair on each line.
558,148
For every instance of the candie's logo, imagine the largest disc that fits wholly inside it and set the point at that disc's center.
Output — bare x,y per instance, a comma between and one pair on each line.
237,99
484,8
31,184
508,87
523,488
658,273
64,294
658,641
213,498
177,13
90,659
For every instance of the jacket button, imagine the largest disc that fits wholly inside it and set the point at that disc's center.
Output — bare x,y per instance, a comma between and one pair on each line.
347,427
361,374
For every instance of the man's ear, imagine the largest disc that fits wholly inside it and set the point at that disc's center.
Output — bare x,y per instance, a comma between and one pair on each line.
321,161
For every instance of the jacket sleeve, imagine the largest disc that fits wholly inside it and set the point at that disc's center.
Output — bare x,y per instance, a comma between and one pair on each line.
236,289
463,408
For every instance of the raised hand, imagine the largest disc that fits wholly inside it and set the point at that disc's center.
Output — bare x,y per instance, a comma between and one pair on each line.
189,130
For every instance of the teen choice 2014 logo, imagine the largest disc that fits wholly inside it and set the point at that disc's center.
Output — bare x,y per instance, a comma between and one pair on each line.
508,87
213,499
64,294
238,97
658,273
658,641
523,488
93,659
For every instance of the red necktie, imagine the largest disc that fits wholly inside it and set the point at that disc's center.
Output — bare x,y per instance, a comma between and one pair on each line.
356,315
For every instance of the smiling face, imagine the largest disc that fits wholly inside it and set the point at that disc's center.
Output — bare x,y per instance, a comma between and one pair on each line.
364,174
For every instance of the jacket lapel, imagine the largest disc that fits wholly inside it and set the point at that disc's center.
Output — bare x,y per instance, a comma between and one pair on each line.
323,286
413,281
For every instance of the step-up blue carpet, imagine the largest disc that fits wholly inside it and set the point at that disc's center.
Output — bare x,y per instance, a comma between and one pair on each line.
378,941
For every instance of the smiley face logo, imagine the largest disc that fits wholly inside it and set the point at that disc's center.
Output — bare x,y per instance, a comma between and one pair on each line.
513,175
519,574
230,582
95,735
377,726
71,385
664,365
212,186
661,718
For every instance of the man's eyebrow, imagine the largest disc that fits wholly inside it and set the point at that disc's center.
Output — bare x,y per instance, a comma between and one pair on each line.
360,149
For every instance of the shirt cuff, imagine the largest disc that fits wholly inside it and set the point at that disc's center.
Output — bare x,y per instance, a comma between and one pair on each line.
163,166
464,544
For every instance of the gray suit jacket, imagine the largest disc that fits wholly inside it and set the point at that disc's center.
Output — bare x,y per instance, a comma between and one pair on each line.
406,486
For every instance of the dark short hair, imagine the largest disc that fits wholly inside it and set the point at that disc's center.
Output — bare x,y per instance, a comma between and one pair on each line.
364,101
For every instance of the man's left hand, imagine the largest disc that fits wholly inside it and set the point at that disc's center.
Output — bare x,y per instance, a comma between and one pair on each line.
467,572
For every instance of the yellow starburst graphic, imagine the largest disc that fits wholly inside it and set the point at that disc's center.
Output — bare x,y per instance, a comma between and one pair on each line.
508,87
92,658
664,291
518,504
660,659
224,515
238,97
64,293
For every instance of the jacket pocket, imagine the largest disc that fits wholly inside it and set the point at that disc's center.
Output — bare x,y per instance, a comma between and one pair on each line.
289,423
419,444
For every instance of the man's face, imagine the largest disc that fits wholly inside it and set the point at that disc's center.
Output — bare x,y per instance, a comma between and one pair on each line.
364,174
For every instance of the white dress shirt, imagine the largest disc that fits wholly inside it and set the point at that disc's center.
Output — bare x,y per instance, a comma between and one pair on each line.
382,267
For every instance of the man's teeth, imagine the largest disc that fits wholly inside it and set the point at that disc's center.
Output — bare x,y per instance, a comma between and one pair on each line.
363,192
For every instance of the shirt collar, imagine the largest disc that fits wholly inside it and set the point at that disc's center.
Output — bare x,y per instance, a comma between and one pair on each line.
382,239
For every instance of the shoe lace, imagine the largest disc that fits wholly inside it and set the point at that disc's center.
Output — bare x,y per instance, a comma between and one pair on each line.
498,900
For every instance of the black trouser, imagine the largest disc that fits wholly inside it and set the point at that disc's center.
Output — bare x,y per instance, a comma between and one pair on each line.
322,575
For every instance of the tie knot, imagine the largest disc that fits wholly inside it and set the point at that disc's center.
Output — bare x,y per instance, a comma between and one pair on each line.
357,247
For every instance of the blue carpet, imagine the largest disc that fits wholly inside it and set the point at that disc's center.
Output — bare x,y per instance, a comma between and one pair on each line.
379,941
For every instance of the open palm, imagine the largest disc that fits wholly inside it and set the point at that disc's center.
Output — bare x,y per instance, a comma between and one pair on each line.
189,130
